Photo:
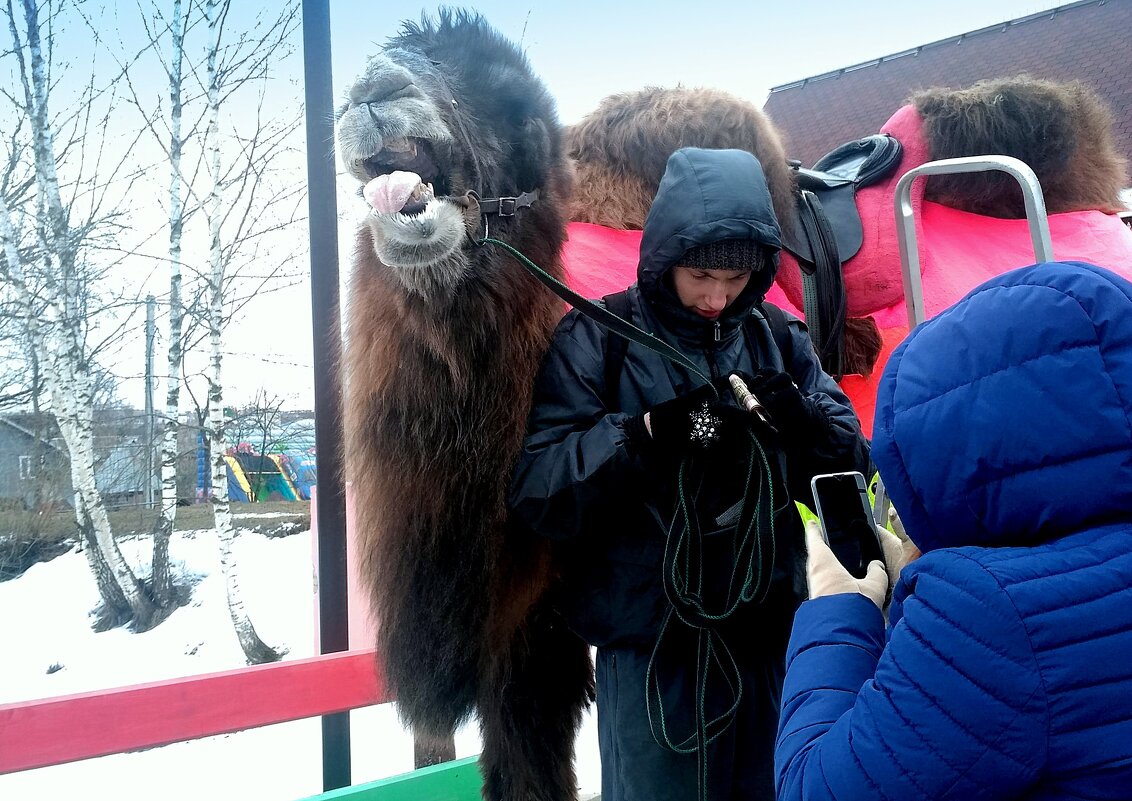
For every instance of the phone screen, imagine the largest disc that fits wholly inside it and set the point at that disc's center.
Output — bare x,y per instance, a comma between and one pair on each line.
843,509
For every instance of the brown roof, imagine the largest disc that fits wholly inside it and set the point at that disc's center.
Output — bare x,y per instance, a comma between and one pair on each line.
1090,41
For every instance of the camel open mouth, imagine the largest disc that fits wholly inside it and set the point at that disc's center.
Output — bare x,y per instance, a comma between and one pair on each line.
398,193
404,154
401,176
415,224
394,140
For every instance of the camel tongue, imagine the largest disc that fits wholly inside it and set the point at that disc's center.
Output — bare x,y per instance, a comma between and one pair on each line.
388,194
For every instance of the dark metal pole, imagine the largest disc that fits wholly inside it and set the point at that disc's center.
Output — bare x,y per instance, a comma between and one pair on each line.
333,630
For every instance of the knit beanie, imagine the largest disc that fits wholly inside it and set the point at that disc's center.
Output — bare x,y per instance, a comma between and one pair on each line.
726,254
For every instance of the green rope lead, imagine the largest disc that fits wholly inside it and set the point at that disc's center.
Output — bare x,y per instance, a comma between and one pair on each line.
600,314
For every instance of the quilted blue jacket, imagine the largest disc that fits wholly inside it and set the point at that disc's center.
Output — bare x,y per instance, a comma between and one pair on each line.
1004,435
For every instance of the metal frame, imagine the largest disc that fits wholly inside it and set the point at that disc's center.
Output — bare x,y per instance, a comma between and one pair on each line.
323,221
906,224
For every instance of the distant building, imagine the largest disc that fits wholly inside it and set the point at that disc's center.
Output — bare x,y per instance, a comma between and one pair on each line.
120,470
35,466
1090,41
34,472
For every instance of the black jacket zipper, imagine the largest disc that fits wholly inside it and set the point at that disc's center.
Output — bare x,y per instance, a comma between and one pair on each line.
712,366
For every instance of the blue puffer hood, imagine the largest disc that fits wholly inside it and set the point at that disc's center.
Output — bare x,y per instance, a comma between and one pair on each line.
706,196
1007,419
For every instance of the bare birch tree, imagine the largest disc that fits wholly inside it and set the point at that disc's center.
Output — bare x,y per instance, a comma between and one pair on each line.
162,581
255,63
57,338
21,383
242,210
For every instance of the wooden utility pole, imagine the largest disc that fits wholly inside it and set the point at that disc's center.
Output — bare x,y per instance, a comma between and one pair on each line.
150,329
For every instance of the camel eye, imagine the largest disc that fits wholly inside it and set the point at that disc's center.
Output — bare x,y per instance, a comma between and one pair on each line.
455,104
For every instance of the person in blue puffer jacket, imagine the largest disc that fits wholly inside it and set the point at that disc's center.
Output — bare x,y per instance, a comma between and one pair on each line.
1003,433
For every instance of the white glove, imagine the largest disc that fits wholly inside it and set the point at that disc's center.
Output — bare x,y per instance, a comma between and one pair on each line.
826,576
894,560
898,549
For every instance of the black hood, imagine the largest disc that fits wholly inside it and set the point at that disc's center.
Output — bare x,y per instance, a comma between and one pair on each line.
706,196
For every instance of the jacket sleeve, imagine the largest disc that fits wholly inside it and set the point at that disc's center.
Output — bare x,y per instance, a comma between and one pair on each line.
576,453
952,708
835,444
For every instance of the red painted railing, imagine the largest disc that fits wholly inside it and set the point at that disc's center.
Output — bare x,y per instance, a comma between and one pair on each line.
51,731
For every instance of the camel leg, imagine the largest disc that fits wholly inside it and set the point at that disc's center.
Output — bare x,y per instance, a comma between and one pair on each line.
429,750
530,710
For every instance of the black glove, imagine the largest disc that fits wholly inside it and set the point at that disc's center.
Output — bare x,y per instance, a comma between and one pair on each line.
790,412
694,421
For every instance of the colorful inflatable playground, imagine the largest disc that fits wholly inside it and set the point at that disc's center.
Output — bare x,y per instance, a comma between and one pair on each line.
287,475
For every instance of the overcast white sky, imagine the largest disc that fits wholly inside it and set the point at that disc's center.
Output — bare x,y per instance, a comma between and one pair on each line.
587,49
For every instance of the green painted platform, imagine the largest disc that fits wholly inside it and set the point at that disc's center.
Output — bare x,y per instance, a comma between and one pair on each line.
452,781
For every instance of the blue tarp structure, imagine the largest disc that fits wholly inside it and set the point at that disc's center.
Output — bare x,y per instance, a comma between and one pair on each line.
235,491
237,485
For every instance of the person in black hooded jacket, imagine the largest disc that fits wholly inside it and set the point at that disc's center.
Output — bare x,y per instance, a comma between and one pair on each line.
664,455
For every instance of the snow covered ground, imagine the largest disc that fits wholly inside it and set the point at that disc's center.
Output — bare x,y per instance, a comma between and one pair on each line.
48,649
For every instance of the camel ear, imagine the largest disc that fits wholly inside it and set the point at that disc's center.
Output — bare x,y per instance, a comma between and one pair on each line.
535,130
533,153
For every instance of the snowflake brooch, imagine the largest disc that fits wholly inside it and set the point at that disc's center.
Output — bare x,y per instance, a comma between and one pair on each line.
705,426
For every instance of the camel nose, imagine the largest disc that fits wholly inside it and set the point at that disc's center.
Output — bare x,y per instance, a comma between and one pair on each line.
383,80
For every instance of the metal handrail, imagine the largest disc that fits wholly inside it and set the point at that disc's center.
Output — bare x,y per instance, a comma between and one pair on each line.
906,227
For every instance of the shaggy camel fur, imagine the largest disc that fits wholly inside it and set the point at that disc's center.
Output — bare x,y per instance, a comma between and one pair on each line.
620,149
1064,131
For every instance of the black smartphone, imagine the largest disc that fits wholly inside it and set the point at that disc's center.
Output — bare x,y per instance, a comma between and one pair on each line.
842,505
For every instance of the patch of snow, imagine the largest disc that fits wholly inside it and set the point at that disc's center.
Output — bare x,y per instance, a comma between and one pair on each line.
45,619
